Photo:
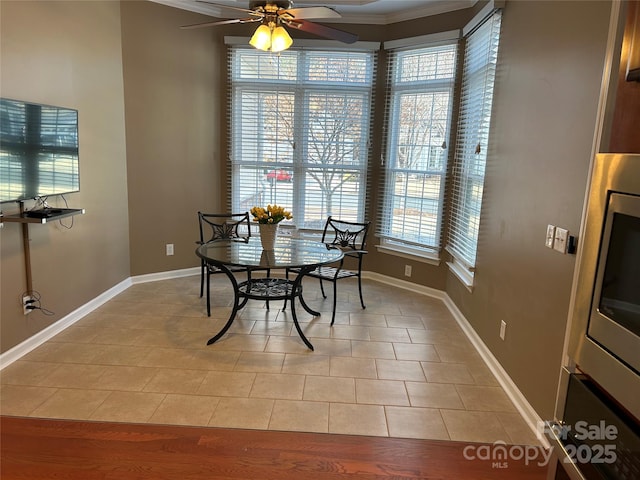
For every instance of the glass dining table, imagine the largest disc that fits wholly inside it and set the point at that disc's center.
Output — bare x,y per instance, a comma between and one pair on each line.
303,255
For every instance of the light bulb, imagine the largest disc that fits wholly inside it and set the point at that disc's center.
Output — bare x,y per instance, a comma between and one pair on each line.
261,38
280,39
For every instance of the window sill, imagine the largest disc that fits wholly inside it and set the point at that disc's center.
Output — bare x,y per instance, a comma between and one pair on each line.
462,274
410,254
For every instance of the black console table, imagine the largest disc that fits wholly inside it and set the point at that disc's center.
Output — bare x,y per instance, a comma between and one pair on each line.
43,215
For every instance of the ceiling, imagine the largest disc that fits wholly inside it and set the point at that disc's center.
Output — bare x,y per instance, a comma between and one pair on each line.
376,12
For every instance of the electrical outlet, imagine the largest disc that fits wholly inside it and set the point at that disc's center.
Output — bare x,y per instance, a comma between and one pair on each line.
560,240
503,329
169,248
551,233
407,270
26,300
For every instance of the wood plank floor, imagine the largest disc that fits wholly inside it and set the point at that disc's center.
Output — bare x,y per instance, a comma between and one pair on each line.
60,449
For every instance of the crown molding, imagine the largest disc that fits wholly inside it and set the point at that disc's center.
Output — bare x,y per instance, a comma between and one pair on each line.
365,15
427,10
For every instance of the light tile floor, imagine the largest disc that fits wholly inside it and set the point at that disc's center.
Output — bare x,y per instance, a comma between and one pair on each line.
400,368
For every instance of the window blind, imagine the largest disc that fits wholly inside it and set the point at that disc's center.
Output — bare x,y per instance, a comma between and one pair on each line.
418,116
299,126
470,156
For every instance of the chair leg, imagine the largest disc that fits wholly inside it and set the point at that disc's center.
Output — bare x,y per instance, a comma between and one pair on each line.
335,299
286,276
360,290
202,265
322,288
208,294
268,274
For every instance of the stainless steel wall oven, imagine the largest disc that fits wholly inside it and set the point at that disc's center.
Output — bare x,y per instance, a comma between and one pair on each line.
614,321
601,383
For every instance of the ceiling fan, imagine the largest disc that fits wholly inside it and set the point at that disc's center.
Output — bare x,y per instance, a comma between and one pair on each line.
273,15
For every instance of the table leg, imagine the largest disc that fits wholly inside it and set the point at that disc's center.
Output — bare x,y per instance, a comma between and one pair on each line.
298,283
296,287
236,306
295,322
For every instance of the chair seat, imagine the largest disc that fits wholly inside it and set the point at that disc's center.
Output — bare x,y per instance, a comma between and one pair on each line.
329,273
350,237
214,269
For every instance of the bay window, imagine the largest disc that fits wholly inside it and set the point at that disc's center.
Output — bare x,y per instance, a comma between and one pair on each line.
300,124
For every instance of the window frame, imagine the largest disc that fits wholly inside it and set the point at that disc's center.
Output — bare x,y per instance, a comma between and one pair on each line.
469,164
303,89
402,245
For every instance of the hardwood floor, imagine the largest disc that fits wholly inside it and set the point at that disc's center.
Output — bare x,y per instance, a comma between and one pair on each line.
60,449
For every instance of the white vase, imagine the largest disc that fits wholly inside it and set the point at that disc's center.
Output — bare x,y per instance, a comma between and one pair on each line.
268,234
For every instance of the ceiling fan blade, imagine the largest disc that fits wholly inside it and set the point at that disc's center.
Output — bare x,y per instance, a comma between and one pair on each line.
221,22
312,12
219,5
322,30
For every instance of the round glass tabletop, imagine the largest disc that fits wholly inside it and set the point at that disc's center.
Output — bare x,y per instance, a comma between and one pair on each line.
287,253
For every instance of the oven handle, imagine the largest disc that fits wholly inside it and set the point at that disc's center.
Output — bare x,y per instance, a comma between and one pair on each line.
559,450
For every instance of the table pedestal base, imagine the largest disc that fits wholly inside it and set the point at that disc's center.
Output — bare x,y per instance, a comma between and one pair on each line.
266,289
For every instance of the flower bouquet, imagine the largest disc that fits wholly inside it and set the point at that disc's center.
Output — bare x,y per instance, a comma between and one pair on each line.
268,220
271,214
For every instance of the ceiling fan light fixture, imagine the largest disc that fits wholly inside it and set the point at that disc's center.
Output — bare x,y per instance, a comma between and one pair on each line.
261,38
280,39
273,16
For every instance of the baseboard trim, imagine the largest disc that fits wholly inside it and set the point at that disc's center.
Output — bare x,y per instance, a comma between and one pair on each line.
511,389
20,350
513,392
155,277
17,352
414,287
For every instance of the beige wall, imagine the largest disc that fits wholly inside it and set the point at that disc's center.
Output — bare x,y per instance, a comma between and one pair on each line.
550,68
68,54
174,96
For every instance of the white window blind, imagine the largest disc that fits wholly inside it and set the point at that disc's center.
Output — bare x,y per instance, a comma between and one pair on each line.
300,124
418,117
476,98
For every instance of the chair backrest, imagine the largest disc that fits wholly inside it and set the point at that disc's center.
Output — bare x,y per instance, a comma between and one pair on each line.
217,226
344,234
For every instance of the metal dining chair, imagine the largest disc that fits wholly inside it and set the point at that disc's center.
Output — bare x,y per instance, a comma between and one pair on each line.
221,226
351,238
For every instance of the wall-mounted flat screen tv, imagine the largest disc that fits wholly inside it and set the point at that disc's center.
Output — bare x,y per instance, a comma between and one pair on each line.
38,150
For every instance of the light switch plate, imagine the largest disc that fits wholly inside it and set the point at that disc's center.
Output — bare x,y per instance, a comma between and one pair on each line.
551,233
560,240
